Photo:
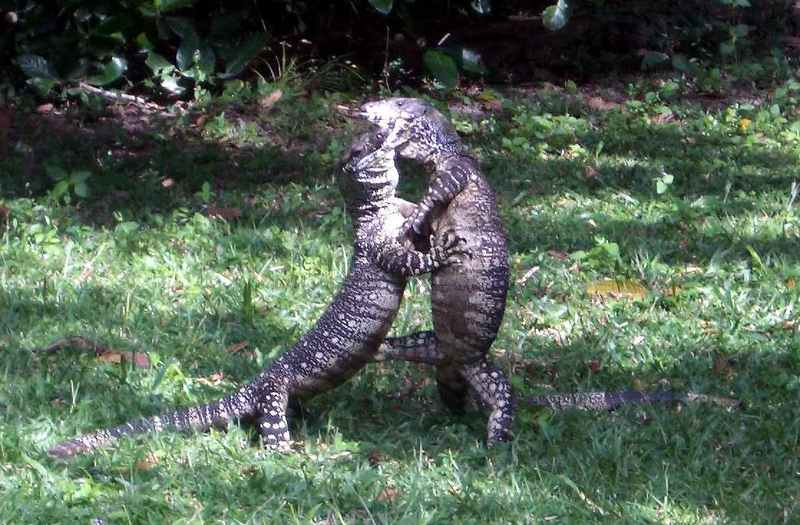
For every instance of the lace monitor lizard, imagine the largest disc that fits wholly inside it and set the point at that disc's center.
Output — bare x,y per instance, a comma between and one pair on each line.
348,333
468,300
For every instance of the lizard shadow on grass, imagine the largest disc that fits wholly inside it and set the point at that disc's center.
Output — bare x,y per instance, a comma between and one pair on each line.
591,447
397,427
376,426
383,430
132,163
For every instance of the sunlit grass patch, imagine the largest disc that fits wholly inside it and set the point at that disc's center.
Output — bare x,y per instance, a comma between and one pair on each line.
212,256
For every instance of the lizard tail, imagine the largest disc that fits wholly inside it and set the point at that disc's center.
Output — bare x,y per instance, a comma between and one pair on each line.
199,418
614,400
419,347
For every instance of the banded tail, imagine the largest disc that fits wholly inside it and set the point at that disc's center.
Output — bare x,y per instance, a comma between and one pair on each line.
200,418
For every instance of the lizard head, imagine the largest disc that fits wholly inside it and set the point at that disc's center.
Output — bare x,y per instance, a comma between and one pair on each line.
368,175
389,112
420,131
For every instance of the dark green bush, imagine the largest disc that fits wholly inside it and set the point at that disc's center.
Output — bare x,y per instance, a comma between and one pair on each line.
173,45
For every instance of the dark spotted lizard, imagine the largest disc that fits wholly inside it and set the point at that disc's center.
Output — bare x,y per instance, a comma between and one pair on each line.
347,335
468,300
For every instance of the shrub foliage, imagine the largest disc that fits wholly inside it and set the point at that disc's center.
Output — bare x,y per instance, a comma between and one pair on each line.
171,46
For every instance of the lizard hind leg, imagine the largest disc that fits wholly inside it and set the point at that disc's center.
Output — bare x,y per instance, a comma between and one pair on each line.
272,423
453,388
423,347
494,392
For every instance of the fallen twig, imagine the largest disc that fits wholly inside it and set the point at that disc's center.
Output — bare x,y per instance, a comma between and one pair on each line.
117,97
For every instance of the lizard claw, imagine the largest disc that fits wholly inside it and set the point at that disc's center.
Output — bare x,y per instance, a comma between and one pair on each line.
418,222
412,228
452,245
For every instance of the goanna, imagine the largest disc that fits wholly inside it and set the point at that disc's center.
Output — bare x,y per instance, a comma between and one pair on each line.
345,338
468,300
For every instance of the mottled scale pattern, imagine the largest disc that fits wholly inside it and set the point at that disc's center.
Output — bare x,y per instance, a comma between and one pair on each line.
423,348
468,300
349,332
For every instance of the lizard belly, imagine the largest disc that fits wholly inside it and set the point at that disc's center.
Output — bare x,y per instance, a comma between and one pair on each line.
468,299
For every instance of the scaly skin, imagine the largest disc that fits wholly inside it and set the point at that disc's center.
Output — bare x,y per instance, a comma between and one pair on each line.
345,338
468,300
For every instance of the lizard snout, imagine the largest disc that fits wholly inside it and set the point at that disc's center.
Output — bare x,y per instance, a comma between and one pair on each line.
352,112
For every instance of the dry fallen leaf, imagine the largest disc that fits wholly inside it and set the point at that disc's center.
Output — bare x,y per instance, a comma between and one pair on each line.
530,273
389,494
722,366
595,365
744,124
147,462
235,347
626,288
212,380
790,282
707,326
662,118
590,172
112,356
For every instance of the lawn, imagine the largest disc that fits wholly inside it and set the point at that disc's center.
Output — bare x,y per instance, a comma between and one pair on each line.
195,247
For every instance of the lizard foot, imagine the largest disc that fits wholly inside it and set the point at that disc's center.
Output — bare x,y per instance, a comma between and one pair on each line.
453,245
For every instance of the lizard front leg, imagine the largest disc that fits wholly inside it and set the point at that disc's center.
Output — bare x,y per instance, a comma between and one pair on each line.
444,186
393,257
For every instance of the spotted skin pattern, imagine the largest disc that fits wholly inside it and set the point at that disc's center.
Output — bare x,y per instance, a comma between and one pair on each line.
468,300
348,334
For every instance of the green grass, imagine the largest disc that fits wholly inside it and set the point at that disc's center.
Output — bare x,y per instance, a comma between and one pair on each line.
139,266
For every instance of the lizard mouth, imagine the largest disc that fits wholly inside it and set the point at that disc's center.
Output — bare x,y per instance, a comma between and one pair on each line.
356,113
